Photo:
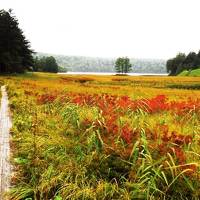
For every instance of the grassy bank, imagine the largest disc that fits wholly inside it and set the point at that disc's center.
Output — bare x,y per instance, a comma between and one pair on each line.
104,137
193,73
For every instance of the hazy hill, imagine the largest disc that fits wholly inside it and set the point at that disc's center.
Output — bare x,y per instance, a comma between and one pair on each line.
97,64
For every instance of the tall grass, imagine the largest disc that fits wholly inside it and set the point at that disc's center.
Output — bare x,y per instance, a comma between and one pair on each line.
64,150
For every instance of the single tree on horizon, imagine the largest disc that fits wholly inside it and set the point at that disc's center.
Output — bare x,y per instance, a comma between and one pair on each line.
123,65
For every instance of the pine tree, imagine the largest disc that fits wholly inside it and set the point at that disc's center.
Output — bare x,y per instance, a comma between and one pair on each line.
15,52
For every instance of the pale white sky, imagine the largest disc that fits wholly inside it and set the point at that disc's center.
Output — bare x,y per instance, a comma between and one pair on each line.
110,28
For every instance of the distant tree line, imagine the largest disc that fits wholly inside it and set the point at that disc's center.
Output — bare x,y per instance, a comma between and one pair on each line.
15,52
98,64
183,62
47,64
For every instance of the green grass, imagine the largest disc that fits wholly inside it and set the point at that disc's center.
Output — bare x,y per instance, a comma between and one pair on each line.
195,72
186,87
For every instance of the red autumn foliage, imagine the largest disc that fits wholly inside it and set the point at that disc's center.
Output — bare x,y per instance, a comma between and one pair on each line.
180,155
192,168
112,107
46,98
159,103
127,134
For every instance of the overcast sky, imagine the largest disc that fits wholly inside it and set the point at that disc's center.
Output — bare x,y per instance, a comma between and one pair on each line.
110,28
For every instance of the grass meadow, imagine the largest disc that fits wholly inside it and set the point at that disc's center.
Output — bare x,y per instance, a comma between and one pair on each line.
104,137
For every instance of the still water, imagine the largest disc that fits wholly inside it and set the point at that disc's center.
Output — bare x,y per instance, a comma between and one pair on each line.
110,73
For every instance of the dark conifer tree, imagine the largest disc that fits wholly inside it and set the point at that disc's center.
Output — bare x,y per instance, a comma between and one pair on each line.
15,52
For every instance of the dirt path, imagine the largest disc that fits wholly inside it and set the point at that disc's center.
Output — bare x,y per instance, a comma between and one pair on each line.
5,125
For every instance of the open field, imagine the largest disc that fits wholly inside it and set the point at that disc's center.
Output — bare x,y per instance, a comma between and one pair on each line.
104,137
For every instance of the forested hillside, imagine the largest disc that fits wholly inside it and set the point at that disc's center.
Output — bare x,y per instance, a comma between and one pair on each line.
92,64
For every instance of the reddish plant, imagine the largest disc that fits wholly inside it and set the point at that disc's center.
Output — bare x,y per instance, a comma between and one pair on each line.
46,98
127,134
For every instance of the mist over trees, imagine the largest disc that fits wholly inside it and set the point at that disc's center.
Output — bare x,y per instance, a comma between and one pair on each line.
15,52
183,62
96,64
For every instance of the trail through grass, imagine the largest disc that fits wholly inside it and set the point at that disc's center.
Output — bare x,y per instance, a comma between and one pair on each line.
5,125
